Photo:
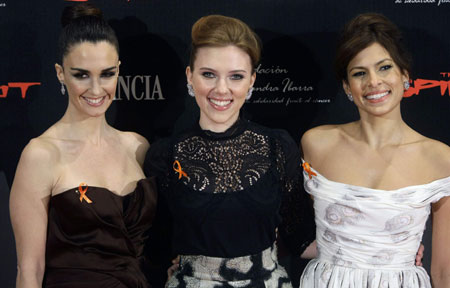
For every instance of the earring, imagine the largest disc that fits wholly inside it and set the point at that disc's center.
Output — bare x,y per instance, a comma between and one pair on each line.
190,90
406,85
249,93
350,97
63,89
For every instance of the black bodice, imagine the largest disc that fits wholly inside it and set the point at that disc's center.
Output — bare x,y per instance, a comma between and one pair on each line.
228,192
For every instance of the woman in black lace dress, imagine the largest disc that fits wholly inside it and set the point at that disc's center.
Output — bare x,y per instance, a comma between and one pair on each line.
229,183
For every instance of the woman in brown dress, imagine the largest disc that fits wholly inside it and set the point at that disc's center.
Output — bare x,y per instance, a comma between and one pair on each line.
80,206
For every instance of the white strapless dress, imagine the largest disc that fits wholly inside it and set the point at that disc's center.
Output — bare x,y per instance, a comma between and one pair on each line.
368,238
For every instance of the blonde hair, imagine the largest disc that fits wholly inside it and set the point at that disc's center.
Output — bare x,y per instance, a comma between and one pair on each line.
220,31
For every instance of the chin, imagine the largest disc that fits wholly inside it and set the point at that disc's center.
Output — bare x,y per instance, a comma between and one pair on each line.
380,111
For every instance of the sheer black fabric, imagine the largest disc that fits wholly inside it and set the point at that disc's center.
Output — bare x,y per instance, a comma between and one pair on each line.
225,190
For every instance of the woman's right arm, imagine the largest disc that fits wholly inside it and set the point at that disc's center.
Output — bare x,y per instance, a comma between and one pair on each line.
28,205
313,144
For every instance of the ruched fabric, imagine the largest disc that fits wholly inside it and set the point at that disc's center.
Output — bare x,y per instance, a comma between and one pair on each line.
99,244
368,238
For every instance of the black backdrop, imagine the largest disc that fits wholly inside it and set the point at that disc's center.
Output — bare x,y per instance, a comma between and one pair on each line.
295,86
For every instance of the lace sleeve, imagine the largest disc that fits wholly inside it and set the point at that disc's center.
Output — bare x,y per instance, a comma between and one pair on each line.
158,247
157,159
297,228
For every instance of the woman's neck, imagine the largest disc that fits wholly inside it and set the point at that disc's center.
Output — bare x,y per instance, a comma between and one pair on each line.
84,128
381,131
217,127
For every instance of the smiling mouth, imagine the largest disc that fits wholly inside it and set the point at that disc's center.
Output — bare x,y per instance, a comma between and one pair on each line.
377,96
220,103
94,101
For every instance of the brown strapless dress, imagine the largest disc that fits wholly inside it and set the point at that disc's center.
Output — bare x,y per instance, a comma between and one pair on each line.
99,244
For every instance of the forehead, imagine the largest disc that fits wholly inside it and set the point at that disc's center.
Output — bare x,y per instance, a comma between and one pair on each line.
231,57
370,56
88,55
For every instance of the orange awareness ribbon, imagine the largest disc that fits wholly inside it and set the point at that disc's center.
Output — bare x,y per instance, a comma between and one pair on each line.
308,170
177,168
83,193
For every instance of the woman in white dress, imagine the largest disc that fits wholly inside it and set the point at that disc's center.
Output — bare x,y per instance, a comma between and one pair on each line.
373,180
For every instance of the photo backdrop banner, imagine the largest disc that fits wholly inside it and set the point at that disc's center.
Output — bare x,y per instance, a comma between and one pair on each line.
295,87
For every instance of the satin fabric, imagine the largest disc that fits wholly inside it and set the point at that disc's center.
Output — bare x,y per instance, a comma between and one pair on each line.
369,237
99,244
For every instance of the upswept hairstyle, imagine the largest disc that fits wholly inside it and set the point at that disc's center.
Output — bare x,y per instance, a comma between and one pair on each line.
220,31
83,23
364,30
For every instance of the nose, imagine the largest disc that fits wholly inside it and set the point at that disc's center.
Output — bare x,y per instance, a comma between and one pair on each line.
374,80
96,87
221,86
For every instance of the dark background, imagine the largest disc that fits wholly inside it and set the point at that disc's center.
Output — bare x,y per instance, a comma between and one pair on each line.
296,89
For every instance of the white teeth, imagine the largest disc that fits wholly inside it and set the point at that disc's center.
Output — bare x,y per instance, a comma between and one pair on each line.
377,96
220,103
94,101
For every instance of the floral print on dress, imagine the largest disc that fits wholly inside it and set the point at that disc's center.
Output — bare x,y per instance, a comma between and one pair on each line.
253,271
338,214
369,237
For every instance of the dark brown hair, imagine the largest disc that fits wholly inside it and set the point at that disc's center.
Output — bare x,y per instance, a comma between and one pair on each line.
364,30
220,31
83,23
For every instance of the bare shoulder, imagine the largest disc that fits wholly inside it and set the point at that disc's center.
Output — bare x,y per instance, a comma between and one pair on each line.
40,150
133,139
136,144
36,169
438,155
319,140
323,132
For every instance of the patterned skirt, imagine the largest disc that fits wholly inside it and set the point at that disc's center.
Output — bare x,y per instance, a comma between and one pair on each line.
256,271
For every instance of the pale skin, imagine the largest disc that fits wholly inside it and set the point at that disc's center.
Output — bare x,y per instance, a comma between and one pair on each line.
221,78
390,153
80,147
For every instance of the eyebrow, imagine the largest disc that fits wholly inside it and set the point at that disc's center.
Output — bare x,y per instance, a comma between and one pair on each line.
376,64
232,71
85,71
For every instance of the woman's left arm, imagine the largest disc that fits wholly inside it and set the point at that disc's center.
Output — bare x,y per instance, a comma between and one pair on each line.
440,254
438,154
297,229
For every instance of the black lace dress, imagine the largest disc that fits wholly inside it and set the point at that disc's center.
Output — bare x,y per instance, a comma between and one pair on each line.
227,193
